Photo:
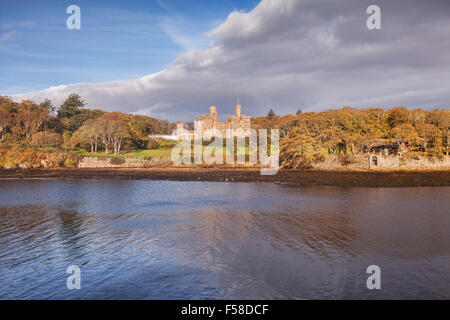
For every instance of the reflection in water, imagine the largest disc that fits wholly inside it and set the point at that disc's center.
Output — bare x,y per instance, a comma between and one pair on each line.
198,240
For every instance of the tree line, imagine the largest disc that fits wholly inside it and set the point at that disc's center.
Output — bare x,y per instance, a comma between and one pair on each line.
27,124
305,137
309,137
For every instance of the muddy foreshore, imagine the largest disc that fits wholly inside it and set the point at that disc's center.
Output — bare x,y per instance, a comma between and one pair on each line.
288,177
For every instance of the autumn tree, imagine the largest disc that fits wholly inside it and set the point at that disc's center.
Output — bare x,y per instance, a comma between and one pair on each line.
406,133
30,117
441,119
417,116
397,116
88,133
5,122
112,130
8,109
431,136
46,139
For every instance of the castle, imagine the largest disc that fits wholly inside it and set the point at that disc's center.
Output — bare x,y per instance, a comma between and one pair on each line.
209,122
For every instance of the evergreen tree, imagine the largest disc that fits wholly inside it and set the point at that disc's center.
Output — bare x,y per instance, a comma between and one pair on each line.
271,114
71,106
47,104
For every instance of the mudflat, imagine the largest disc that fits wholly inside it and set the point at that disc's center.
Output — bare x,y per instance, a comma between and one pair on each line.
289,177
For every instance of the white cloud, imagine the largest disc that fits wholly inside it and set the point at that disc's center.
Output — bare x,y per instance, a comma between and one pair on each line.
27,23
286,54
178,31
9,35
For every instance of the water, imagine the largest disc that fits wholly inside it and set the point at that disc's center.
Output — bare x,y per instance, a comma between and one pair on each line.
208,240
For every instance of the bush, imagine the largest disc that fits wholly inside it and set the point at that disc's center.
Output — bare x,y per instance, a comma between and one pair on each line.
29,158
297,162
71,160
151,144
318,157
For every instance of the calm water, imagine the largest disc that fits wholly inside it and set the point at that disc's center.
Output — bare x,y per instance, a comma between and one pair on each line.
200,240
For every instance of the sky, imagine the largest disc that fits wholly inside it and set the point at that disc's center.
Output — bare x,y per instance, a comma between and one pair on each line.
172,59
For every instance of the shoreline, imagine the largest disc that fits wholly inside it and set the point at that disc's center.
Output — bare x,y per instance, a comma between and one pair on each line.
300,178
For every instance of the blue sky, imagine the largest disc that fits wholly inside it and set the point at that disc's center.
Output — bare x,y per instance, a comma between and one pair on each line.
118,40
153,58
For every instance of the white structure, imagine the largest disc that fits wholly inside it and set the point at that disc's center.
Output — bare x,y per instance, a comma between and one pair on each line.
237,123
163,136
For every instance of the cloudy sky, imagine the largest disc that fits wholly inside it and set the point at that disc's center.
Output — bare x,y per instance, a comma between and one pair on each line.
172,59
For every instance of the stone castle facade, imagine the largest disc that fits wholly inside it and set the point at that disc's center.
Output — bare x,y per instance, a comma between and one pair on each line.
209,122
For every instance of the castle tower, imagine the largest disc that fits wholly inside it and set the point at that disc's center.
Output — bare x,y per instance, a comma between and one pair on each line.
180,130
180,126
213,113
238,110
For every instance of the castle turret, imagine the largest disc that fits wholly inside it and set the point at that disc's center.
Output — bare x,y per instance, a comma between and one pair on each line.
213,113
238,110
180,125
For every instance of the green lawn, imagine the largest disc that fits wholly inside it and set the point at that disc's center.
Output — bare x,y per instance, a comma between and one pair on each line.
161,153
164,151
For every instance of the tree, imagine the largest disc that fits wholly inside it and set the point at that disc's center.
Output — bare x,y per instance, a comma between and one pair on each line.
441,119
66,141
299,111
5,122
397,116
270,114
297,151
431,136
112,130
48,105
71,106
417,116
30,117
46,139
406,133
88,133
8,109
118,130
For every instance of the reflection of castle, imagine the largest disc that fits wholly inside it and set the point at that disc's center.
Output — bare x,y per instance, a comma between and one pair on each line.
209,122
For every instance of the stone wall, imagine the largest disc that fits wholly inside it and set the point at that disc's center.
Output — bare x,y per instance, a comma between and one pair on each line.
93,162
371,161
352,162
396,162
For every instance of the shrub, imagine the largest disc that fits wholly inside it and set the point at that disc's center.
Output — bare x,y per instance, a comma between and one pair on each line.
318,157
71,161
151,144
